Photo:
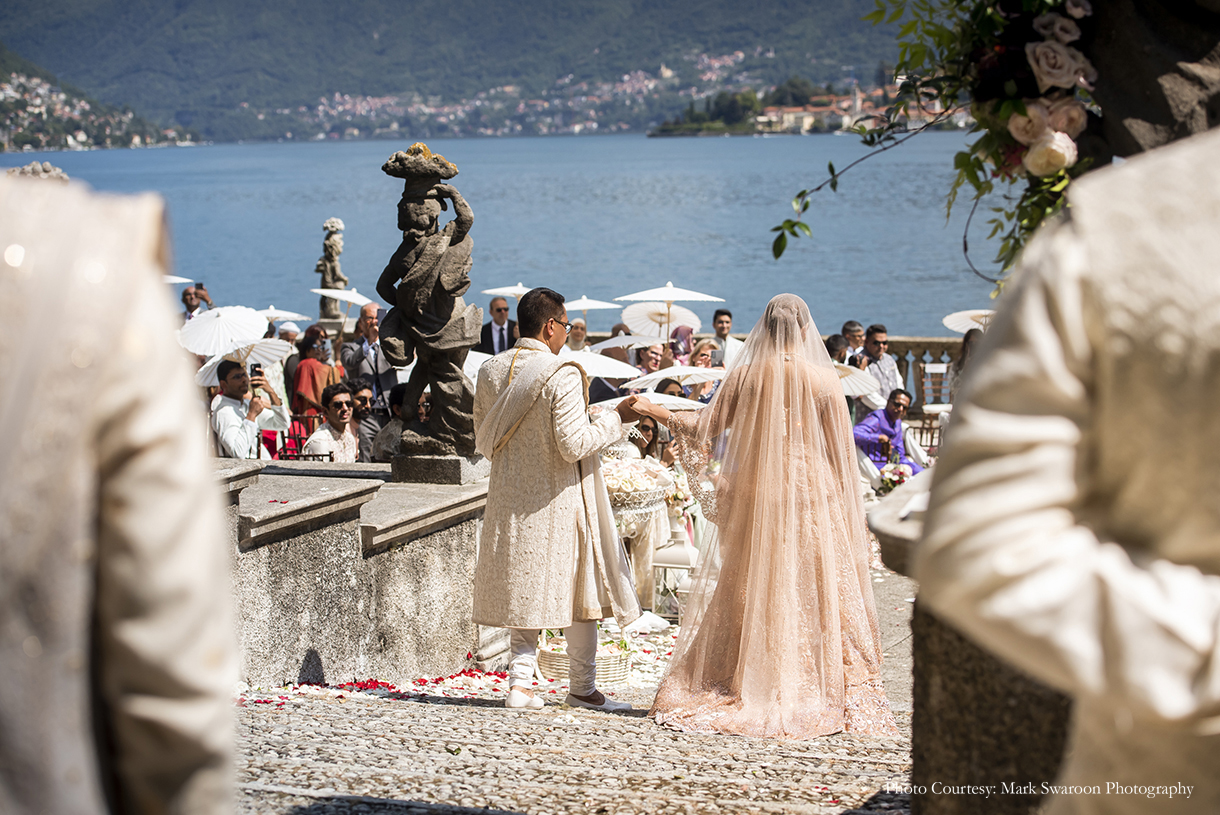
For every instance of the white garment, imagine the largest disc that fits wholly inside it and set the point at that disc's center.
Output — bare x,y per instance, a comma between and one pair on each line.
237,436
582,657
885,371
1073,527
730,346
326,439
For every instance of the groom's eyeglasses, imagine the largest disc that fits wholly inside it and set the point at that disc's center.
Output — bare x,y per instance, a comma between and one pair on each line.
567,327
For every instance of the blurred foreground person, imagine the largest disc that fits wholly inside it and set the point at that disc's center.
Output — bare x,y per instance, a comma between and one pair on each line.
117,653
1073,530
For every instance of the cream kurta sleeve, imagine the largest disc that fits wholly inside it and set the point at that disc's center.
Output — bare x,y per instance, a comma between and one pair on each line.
575,436
1009,556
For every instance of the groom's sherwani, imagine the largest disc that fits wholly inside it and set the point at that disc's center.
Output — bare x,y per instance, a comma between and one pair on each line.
549,553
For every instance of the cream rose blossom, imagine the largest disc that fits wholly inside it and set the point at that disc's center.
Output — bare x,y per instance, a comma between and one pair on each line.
1057,27
1067,116
1055,151
1055,64
1029,128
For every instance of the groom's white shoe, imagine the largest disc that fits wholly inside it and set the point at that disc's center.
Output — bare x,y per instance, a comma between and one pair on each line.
520,700
608,704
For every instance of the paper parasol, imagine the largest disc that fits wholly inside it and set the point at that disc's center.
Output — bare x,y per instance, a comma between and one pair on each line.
629,341
584,305
664,400
175,279
856,382
646,318
275,315
343,295
599,365
508,291
685,374
217,330
963,321
474,361
671,294
264,352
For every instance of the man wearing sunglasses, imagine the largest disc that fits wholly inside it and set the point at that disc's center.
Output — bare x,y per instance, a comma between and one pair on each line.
875,359
549,555
498,334
335,435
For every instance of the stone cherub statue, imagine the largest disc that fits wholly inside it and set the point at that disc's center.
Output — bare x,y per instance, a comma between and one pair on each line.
328,267
429,322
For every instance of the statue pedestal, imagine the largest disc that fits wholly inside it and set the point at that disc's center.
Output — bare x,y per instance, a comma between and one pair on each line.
438,469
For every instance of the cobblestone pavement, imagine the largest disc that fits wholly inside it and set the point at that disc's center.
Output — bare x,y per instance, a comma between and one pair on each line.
315,750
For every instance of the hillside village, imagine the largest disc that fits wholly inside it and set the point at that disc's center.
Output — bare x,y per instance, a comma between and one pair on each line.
38,115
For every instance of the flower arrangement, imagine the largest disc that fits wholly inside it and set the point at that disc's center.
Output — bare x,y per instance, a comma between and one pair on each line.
893,475
1019,68
680,498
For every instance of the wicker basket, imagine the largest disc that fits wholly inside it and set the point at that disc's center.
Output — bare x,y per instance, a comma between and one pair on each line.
612,669
645,499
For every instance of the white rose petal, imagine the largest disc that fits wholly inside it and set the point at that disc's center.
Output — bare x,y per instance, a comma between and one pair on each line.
1029,128
1055,151
1067,116
1055,65
1057,27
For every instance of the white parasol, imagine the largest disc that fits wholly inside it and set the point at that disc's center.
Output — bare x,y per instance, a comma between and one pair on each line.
594,364
584,305
856,382
349,296
275,315
664,400
670,294
217,330
175,279
963,321
648,317
685,374
508,291
264,352
629,341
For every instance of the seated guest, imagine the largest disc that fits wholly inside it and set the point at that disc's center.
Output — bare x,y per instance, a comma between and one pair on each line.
879,434
670,387
578,334
876,359
601,389
681,341
622,354
853,332
650,359
238,422
704,356
838,347
386,442
424,411
364,424
335,435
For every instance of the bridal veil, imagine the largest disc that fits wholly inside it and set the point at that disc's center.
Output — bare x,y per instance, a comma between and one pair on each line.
780,635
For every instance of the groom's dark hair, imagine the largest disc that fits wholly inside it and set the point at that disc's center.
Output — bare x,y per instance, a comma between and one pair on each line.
536,307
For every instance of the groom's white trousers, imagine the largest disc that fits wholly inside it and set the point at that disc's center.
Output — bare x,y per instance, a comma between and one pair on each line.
582,655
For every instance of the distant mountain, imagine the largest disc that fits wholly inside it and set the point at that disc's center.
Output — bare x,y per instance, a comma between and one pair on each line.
225,66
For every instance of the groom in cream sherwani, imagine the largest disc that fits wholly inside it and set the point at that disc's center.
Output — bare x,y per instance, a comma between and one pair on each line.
550,555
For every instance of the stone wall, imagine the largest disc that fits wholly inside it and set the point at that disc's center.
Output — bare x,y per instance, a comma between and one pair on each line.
339,577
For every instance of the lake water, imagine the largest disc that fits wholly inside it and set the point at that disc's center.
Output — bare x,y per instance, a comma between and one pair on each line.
597,215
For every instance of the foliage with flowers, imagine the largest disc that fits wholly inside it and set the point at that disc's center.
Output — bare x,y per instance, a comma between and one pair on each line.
893,475
1019,67
679,498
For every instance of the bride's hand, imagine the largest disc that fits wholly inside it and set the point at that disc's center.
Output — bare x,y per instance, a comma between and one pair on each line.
643,407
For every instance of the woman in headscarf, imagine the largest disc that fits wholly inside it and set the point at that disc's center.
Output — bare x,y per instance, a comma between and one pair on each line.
780,637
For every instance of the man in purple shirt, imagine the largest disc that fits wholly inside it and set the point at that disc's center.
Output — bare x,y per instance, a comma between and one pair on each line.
880,433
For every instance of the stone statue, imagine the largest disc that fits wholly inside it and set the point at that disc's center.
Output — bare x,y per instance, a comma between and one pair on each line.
328,267
429,322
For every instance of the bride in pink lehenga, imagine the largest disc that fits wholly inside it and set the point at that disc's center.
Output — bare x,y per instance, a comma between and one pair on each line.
780,636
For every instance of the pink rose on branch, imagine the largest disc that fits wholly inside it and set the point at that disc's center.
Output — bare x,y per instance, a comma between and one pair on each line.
1056,65
1029,128
1055,151
1068,116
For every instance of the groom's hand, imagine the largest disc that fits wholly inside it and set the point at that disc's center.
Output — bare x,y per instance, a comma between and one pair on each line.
627,409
